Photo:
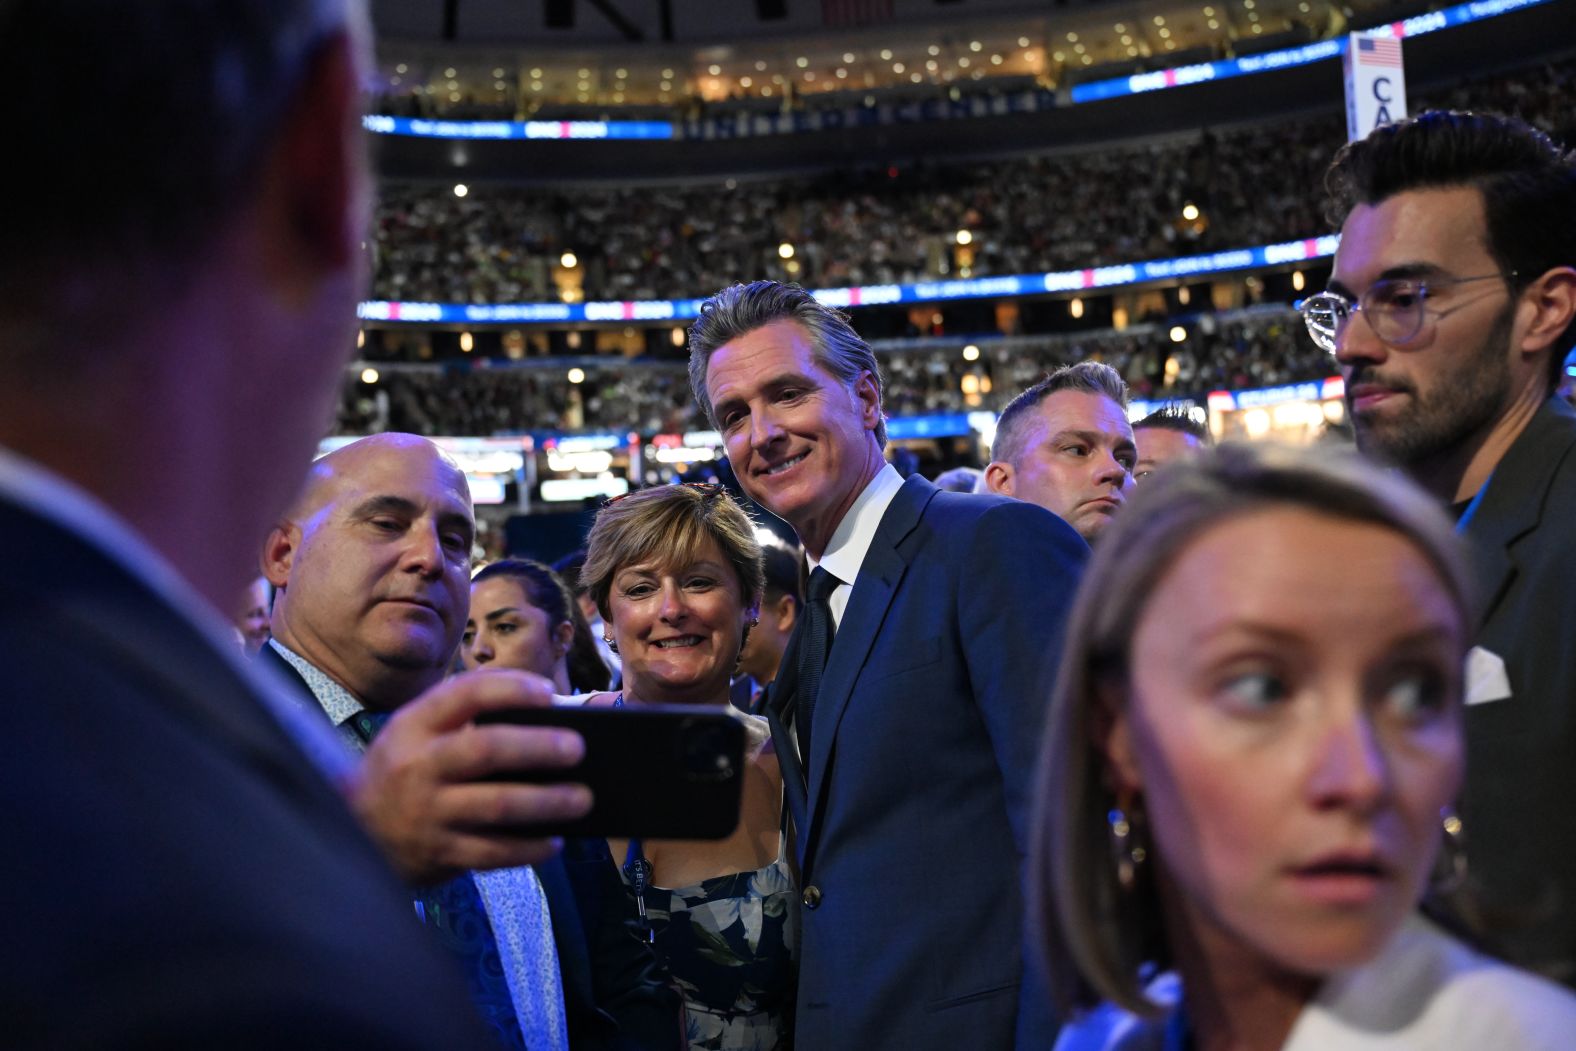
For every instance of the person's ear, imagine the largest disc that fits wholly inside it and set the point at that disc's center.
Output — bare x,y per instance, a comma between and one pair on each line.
999,477
869,399
317,185
563,639
279,552
786,614
1112,728
1552,299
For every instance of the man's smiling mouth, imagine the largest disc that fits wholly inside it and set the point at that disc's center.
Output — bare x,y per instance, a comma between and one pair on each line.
790,462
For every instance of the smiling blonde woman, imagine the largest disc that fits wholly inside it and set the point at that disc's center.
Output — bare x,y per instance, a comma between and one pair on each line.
676,573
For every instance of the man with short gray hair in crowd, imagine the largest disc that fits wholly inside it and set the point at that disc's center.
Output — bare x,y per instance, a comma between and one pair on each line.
1066,445
907,706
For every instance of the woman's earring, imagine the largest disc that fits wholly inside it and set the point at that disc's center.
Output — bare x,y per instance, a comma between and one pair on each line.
1127,854
610,643
1451,870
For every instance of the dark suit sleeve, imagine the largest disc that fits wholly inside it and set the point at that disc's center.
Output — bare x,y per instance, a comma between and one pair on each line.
629,986
1021,570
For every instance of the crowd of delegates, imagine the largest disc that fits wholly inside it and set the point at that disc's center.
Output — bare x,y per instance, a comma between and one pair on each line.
1252,185
1285,752
1243,350
433,400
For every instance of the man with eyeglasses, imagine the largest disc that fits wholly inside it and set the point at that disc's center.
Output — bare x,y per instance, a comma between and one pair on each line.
1450,311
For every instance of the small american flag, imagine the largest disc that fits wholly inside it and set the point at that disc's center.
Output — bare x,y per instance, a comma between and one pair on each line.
838,13
1380,51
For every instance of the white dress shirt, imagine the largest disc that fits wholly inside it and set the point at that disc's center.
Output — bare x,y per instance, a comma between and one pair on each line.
850,542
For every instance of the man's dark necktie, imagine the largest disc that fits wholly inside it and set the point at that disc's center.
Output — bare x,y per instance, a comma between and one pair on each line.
813,651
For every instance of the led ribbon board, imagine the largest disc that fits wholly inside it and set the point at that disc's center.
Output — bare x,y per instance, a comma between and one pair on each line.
1182,76
515,129
866,295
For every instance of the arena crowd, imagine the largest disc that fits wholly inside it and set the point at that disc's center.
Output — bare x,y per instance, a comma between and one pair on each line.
1239,350
1252,186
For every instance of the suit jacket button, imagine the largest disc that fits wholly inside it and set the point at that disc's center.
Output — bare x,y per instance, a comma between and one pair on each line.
812,896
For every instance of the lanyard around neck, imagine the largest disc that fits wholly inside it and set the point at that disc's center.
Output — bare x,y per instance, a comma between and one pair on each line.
1467,515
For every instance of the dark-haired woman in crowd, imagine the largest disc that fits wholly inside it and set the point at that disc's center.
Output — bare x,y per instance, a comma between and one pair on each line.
676,573
523,617
1246,837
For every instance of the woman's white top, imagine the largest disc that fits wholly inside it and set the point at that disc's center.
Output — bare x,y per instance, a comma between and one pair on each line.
1425,991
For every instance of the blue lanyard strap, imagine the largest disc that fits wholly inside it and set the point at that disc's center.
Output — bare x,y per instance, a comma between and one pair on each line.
1466,516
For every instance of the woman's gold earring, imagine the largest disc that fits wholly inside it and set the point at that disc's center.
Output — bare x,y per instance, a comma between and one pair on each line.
1127,854
1451,871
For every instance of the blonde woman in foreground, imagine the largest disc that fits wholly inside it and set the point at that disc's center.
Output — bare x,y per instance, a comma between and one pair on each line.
1246,837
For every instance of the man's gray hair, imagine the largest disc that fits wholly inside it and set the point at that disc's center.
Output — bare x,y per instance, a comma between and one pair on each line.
180,101
1090,377
741,309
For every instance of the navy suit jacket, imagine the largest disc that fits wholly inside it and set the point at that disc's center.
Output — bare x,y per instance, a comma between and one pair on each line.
616,995
177,873
912,824
1521,751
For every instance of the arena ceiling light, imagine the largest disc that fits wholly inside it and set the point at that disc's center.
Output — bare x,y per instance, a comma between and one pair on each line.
568,261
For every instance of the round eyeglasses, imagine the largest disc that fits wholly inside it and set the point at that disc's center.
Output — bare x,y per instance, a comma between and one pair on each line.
1394,308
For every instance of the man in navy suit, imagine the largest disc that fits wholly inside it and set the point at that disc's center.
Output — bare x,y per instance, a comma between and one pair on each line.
907,742
181,866
372,568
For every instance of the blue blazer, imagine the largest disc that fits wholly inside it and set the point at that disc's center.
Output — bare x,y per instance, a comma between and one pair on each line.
177,873
912,824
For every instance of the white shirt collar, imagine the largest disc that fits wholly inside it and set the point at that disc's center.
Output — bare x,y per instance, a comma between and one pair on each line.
338,703
851,540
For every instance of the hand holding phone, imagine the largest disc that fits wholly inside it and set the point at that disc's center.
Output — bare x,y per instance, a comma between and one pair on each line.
425,792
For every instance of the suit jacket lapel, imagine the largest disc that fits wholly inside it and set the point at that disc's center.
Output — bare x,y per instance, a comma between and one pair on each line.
569,934
879,575
1513,505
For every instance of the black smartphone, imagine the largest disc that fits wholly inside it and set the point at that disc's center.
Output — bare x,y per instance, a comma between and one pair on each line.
656,771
